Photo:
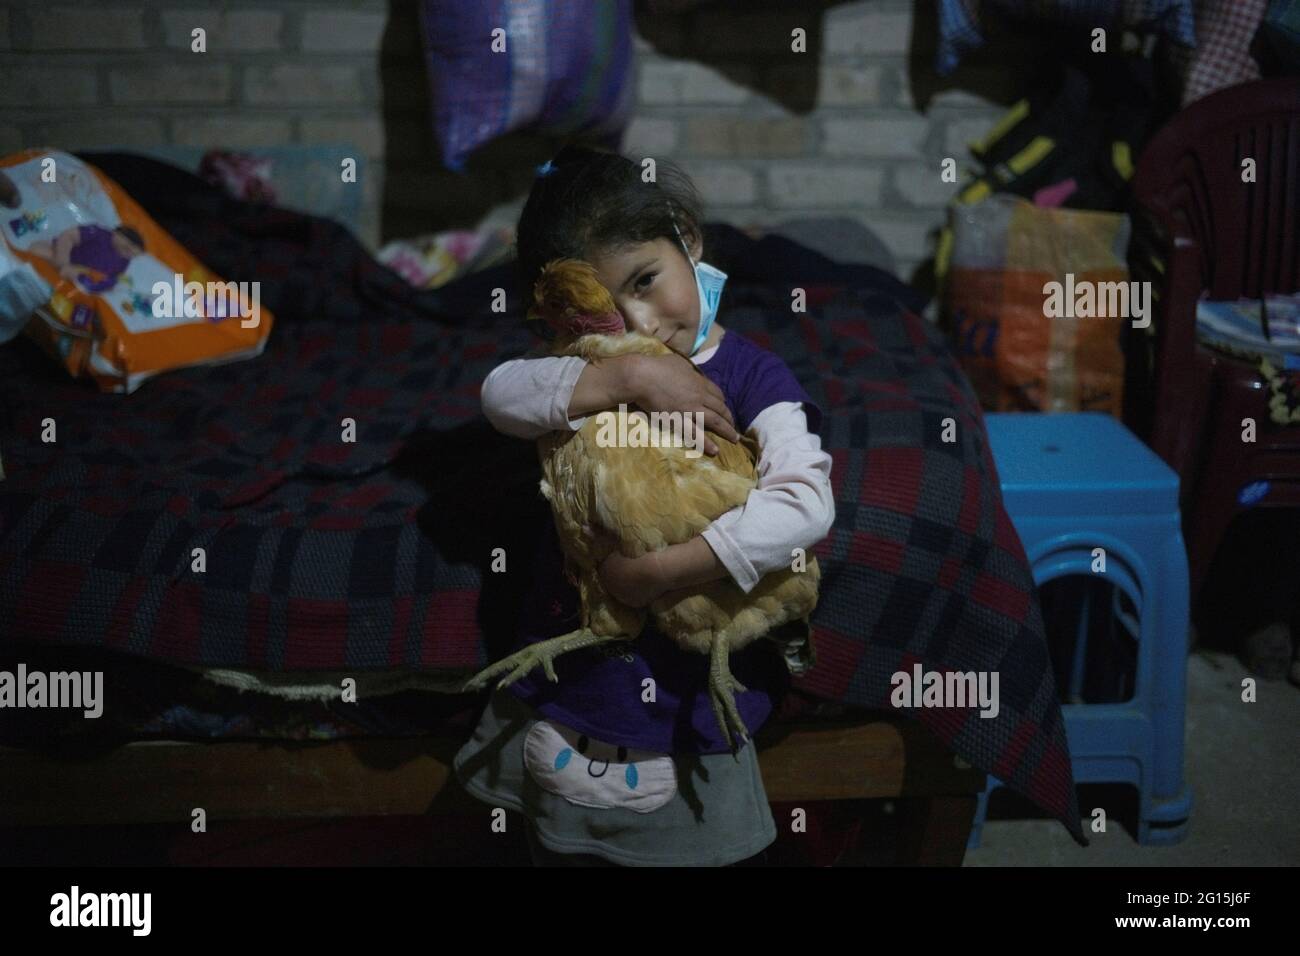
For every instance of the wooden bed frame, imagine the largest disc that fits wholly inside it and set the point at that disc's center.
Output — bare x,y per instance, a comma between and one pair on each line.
872,756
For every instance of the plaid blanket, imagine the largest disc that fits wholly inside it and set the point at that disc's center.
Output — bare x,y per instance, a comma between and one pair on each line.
328,554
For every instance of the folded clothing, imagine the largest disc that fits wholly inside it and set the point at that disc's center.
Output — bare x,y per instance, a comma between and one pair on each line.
1253,328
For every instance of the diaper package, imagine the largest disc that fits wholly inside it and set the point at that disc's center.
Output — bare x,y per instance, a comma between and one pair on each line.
88,275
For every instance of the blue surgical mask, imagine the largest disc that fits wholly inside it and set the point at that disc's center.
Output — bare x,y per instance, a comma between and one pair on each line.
709,282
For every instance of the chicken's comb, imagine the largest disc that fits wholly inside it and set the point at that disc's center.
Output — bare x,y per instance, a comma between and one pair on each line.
570,298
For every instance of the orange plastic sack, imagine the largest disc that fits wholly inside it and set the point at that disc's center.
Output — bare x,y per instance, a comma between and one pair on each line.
127,301
1025,343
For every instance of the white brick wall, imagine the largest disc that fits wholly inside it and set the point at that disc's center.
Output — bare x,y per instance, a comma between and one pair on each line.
234,131
852,127
296,84
86,28
26,83
343,31
199,83
226,30
807,185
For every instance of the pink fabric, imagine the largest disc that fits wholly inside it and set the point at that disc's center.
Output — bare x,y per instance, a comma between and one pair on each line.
1053,196
241,175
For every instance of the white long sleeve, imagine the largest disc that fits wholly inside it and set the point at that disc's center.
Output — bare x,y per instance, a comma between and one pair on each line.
792,507
528,397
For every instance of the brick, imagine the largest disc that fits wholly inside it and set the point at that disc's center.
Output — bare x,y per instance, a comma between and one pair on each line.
880,137
684,83
857,28
87,28
650,137
733,136
830,85
227,30
344,31
31,85
796,185
175,83
724,183
230,132
920,184
293,84
908,239
961,133
366,134
101,133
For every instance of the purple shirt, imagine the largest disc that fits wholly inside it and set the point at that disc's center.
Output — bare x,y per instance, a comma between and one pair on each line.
599,689
94,250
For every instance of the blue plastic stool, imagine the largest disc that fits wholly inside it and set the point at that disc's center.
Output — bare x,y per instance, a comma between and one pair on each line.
1073,483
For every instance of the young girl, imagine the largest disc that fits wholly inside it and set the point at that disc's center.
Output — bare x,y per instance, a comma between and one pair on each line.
621,759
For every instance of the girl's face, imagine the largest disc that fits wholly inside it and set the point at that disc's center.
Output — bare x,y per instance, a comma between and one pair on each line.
653,286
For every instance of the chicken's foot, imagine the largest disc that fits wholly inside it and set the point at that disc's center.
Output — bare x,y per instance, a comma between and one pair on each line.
723,689
542,653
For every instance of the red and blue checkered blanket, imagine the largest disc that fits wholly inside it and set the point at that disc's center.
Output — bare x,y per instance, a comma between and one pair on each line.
327,554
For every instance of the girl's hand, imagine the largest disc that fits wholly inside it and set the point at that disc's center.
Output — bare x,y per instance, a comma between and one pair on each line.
631,581
670,383
635,582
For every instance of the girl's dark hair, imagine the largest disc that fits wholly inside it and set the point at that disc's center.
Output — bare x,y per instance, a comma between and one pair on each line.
593,202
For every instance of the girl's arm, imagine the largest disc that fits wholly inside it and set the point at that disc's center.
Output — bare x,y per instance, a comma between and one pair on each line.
792,507
528,397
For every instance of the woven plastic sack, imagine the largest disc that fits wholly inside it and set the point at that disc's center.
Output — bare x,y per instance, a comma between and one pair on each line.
560,67
1016,340
102,288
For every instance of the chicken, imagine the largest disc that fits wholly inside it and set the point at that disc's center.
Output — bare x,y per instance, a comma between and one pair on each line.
641,499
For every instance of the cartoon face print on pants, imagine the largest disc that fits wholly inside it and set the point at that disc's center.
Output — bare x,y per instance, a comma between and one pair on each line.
591,773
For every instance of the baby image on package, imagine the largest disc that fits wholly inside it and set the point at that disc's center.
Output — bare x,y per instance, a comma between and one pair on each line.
89,276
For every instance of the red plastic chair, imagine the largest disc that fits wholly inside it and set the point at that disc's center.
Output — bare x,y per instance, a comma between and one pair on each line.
1199,227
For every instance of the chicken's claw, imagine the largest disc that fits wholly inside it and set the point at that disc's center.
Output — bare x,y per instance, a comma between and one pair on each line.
542,653
723,689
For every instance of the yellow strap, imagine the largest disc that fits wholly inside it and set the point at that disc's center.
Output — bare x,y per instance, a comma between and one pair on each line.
1032,154
1014,116
1121,157
975,192
943,253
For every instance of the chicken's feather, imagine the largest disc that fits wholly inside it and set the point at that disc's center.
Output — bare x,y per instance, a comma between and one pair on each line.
649,498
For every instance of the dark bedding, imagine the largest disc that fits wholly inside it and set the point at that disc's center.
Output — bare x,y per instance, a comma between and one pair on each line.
323,554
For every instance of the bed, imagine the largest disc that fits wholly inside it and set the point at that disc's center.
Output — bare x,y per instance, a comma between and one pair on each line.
370,558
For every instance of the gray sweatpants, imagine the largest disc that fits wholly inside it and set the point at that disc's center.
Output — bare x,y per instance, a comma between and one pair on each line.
718,816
